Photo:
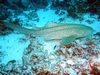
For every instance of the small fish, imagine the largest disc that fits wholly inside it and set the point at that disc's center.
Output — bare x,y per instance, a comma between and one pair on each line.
56,31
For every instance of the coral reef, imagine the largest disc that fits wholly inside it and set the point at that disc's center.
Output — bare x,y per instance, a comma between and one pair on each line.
81,57
75,8
4,30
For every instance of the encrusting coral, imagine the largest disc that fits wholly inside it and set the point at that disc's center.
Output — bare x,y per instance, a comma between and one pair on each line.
81,57
4,30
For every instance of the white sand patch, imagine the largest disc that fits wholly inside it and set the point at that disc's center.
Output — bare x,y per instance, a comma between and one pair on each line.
12,48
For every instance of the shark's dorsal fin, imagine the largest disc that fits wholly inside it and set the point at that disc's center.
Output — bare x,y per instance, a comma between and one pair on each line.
37,28
51,24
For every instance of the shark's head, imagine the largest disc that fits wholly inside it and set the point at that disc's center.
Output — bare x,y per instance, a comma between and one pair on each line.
85,31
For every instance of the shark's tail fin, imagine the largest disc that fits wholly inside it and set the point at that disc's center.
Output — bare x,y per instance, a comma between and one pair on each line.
18,28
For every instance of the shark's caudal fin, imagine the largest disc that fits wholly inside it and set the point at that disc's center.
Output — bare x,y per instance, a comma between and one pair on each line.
18,28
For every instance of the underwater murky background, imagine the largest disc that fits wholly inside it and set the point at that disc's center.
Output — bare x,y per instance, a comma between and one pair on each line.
22,54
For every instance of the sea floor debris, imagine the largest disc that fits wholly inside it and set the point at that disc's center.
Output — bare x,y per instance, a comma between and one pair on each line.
81,57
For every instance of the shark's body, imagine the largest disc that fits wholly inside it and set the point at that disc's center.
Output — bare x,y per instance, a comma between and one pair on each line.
56,31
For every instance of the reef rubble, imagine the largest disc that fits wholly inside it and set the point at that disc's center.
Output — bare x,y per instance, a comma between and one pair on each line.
81,57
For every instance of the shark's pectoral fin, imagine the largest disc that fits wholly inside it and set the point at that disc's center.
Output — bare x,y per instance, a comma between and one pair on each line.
68,40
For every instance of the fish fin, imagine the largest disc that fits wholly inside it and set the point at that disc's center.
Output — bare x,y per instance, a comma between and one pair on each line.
68,40
51,24
47,39
52,40
37,28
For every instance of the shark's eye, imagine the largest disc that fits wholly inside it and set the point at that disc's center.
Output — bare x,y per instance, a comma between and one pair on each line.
85,31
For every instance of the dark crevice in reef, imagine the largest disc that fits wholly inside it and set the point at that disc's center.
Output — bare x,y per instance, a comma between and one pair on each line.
74,8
